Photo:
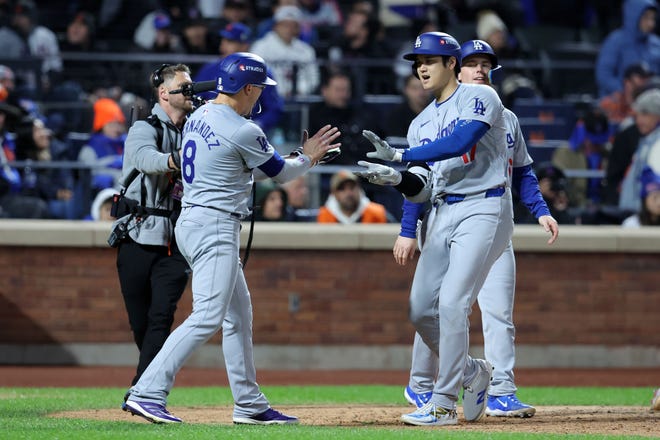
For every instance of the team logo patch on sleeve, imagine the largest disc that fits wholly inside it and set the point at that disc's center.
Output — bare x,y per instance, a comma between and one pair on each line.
263,143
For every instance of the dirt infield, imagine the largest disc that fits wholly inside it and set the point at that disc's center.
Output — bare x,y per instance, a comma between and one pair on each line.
624,421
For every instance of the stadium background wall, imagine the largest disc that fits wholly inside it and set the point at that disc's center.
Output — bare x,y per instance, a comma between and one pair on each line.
331,297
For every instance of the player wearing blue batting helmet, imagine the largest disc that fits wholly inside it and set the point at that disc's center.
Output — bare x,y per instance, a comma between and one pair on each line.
480,47
435,43
240,69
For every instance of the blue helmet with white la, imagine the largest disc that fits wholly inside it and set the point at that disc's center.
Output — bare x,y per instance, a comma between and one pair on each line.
435,43
480,47
240,69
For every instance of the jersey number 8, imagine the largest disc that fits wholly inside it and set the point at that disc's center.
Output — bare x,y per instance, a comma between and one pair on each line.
187,161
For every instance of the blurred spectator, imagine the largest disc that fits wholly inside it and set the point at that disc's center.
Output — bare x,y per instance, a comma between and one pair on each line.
649,213
293,61
80,34
634,42
105,147
361,37
321,12
586,150
347,203
228,11
297,191
196,38
117,20
647,119
102,205
552,184
624,146
13,204
41,41
155,34
235,37
323,18
273,205
9,96
618,104
494,31
34,142
307,32
339,110
397,119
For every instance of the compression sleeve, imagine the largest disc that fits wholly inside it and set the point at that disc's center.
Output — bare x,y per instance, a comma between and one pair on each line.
525,182
291,167
464,136
411,213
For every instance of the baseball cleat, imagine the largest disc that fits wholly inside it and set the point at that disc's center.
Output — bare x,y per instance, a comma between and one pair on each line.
655,402
508,406
123,404
154,412
431,415
417,399
474,395
268,417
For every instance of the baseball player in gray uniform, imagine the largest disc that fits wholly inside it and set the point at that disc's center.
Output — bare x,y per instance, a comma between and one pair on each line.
462,130
222,153
497,294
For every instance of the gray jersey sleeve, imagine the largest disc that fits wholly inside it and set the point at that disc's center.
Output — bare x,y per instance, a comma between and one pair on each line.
515,140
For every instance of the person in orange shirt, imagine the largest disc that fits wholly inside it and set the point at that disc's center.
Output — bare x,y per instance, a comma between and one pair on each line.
347,203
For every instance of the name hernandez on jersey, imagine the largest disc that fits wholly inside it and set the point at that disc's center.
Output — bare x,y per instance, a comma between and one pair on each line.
484,166
218,155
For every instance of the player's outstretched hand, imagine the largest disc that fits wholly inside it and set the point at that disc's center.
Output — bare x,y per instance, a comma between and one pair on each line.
550,225
379,174
383,150
318,145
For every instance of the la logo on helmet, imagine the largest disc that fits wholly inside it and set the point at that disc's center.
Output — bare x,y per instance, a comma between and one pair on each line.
477,45
418,42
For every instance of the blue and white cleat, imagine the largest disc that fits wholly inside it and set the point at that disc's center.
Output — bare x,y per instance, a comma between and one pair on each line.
431,415
508,406
474,395
268,417
413,398
154,412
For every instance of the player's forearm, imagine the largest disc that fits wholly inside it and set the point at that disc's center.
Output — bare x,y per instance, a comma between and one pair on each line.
293,167
464,136
411,212
525,182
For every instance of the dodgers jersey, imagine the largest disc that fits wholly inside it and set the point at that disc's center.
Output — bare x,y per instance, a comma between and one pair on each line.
485,165
219,150
517,155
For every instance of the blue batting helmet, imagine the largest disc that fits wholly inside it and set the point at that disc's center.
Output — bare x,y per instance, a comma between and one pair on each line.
435,43
479,47
240,69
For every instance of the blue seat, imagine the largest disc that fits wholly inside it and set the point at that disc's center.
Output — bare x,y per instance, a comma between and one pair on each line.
536,130
547,110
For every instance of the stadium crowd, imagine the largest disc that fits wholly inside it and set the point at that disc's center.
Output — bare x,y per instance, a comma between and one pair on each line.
581,76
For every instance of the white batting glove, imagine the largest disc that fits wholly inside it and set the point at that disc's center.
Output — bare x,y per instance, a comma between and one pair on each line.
379,174
383,150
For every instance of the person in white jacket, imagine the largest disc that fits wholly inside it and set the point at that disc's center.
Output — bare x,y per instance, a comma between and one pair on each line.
292,60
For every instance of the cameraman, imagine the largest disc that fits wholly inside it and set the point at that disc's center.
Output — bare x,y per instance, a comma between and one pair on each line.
152,272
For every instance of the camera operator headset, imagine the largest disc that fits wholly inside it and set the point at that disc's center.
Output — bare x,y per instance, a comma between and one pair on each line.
152,272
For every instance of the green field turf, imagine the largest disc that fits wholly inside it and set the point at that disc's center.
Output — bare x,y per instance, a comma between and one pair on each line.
23,413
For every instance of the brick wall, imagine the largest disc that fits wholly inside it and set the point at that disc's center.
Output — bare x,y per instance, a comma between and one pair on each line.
71,294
